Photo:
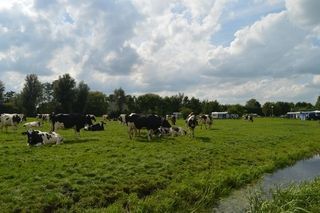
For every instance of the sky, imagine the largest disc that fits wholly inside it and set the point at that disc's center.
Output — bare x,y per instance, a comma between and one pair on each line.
225,50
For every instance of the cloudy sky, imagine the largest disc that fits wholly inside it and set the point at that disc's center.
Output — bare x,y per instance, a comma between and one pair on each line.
228,50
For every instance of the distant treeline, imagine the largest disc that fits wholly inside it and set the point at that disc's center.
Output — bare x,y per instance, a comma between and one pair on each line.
66,95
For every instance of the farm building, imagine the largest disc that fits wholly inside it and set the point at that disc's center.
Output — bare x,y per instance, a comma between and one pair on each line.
223,115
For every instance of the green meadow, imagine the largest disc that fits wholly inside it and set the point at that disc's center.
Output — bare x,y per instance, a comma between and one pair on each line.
107,172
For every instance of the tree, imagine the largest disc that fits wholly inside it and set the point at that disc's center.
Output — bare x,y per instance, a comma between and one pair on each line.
81,95
64,92
97,103
267,108
317,105
210,106
253,106
2,89
150,103
236,109
281,108
31,94
120,100
48,104
303,106
47,95
195,105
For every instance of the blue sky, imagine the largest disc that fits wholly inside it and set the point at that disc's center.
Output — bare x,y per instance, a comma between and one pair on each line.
225,50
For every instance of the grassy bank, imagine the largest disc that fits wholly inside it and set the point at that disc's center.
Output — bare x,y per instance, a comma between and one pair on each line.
105,171
296,198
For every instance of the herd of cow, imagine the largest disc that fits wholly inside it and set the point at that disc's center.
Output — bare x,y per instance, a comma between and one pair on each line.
155,125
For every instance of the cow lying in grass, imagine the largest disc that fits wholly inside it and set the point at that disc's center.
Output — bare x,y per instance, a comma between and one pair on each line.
95,127
173,131
32,124
37,138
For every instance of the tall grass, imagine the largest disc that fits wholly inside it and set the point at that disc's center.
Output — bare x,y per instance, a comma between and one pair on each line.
105,171
295,198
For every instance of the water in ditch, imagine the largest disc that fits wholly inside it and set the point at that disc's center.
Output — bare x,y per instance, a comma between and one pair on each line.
304,170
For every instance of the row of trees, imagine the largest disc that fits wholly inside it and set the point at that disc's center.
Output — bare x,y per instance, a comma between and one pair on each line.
66,95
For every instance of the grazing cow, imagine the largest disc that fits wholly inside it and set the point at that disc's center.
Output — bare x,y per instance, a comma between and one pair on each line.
32,124
73,120
206,121
37,138
191,123
9,120
43,117
150,122
248,117
95,127
123,119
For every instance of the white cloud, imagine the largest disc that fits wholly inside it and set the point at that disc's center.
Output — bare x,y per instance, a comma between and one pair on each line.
165,46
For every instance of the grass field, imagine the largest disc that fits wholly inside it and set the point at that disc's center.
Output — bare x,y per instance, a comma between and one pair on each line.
107,172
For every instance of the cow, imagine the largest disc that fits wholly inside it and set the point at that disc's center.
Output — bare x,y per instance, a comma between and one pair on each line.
91,116
191,123
150,122
173,131
95,127
22,117
105,117
206,121
176,131
10,120
248,118
122,118
172,118
72,120
29,125
37,138
43,117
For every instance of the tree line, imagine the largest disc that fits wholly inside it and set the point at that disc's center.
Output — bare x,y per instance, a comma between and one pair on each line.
66,95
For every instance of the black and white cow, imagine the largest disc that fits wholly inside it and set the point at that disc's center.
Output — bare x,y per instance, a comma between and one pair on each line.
37,138
91,116
32,124
95,127
206,121
176,131
150,122
10,120
72,120
191,123
43,117
106,117
123,118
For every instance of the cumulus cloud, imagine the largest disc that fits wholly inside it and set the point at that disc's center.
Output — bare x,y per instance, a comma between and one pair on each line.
166,46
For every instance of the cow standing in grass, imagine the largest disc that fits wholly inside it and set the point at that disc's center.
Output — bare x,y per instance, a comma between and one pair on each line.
206,121
191,123
13,120
67,121
43,117
151,122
